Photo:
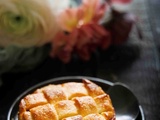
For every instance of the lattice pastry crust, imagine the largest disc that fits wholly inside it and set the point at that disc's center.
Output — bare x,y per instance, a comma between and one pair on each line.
68,101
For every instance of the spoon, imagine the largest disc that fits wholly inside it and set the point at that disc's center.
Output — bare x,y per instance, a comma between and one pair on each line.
124,101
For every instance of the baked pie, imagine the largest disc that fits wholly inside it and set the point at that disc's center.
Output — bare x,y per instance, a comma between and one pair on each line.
67,101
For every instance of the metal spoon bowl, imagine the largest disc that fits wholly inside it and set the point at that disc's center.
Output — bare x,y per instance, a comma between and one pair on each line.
124,101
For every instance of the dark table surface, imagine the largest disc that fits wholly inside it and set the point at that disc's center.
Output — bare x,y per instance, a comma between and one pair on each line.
136,63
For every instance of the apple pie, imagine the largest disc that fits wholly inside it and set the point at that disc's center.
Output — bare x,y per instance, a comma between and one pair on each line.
67,101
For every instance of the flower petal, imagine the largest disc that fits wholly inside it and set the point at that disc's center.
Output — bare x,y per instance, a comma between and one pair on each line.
26,23
121,1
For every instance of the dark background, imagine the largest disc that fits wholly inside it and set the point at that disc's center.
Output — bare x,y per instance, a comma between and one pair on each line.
136,63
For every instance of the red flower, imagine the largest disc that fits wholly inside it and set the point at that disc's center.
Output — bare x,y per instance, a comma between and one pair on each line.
120,1
82,41
84,33
90,11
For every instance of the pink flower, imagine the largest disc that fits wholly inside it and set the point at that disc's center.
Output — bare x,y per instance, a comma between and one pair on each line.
61,47
120,1
83,32
89,11
82,41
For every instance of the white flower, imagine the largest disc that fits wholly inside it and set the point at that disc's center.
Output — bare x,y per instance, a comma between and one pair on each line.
28,22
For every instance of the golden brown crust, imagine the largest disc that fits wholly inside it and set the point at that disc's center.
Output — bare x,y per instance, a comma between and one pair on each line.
74,89
26,116
86,105
32,100
103,103
54,93
109,115
94,117
77,117
93,89
66,108
67,101
44,112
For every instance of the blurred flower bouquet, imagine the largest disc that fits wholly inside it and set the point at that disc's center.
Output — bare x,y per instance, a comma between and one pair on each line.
94,24
69,26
